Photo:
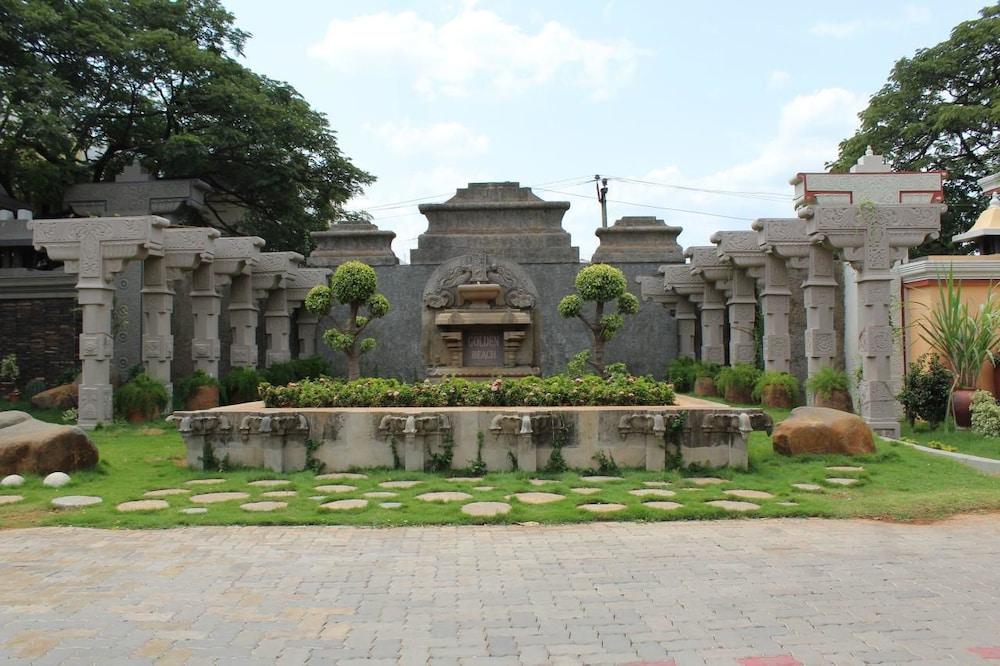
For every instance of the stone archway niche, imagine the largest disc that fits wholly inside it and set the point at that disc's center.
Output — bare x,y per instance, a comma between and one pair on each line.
480,320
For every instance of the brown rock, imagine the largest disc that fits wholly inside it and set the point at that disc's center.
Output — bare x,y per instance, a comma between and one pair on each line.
60,397
812,430
30,446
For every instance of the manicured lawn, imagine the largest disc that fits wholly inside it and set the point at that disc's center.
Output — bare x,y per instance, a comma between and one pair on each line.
964,441
897,483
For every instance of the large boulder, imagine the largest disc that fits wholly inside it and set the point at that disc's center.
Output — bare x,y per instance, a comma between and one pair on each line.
30,446
812,430
60,397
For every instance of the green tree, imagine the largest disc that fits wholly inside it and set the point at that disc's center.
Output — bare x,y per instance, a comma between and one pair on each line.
601,284
88,86
940,109
355,285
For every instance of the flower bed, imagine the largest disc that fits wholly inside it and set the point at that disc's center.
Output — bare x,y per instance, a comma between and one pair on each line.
553,391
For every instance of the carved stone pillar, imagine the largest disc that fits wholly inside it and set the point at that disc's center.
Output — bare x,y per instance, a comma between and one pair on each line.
206,307
784,243
688,290
234,262
157,311
819,296
278,328
96,249
297,285
243,316
687,321
742,304
713,321
306,325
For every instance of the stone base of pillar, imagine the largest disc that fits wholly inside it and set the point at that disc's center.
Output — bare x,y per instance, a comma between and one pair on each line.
96,405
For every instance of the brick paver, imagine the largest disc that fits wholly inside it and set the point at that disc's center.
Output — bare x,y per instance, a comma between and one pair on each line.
753,592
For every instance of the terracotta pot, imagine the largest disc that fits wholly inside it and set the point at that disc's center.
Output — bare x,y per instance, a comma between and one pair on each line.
14,395
775,396
140,416
739,395
961,402
203,397
705,386
996,382
836,400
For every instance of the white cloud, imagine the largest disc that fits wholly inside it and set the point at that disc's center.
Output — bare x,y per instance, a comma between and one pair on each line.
912,14
476,49
447,139
778,78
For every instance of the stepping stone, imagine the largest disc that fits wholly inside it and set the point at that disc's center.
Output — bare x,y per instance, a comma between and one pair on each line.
464,479
846,468
585,491
705,480
663,506
748,494
486,509
204,482
541,482
263,506
345,505
807,486
195,510
399,484
601,508
380,493
692,490
12,481
10,499
334,489
391,505
56,480
731,505
600,479
214,498
340,475
444,497
788,503
269,483
166,492
839,481
483,489
318,498
656,484
75,501
143,505
538,498
280,493
652,492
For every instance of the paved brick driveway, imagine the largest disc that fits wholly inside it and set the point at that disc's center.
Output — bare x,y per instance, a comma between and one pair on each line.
754,592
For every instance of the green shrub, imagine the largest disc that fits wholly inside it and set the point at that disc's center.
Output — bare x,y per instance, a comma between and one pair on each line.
558,390
142,394
826,381
33,388
925,390
600,284
681,372
739,377
9,370
240,385
709,370
606,463
985,414
772,378
187,386
297,369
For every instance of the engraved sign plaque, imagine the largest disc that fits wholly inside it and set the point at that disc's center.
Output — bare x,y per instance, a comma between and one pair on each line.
482,347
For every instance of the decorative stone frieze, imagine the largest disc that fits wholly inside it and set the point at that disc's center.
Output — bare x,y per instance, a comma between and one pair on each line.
411,427
638,239
531,431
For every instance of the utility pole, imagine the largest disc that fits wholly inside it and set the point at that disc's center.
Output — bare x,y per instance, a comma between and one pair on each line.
602,195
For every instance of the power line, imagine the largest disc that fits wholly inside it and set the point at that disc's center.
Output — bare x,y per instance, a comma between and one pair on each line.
642,205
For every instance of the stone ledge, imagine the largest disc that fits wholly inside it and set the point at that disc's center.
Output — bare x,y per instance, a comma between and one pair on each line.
985,465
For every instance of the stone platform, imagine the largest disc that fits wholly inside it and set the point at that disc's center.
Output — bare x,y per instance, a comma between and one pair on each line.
253,435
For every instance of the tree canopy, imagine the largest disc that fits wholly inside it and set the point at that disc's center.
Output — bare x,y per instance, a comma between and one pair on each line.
88,86
940,109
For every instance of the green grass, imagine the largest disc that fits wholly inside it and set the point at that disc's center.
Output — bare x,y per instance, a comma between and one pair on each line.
898,483
964,441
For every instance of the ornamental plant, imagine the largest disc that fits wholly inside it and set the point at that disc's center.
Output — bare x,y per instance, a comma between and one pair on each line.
925,390
600,284
788,383
142,398
353,284
736,382
985,414
827,380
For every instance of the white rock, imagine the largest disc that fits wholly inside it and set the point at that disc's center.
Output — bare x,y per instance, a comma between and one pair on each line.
75,501
12,481
56,480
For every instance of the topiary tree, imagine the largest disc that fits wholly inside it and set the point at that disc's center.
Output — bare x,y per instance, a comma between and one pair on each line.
353,284
601,284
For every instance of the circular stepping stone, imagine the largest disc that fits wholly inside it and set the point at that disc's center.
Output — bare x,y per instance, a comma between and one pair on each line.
748,494
399,484
56,480
483,489
692,490
839,481
340,475
280,493
269,483
601,508
204,482
705,480
541,482
652,492
663,506
846,468
585,491
263,506
166,492
656,484
10,499
807,486
345,505
391,505
464,479
788,503
143,505
538,498
214,498
335,489
600,479
194,511
75,501
444,497
380,493
732,505
486,509
12,481
318,498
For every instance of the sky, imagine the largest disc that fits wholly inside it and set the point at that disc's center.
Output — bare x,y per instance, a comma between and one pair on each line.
698,112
